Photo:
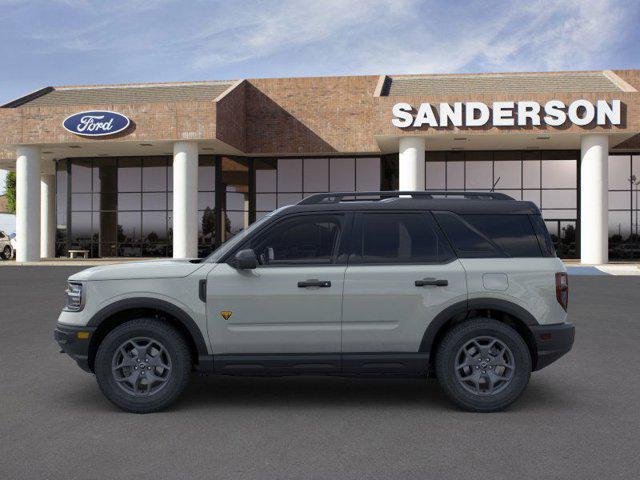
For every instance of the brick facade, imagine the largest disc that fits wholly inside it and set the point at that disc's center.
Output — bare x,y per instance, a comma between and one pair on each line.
290,116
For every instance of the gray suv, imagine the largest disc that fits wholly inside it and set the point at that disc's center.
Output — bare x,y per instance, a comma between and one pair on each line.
463,286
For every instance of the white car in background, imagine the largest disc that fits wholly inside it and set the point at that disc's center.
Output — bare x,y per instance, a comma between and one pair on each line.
7,245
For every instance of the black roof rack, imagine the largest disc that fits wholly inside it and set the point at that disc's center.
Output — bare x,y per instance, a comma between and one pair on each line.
335,197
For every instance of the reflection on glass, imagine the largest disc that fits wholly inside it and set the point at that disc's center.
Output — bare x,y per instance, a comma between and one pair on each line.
367,174
342,175
316,174
129,174
435,176
479,175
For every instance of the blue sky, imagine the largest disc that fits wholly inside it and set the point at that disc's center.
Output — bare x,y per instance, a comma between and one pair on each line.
71,42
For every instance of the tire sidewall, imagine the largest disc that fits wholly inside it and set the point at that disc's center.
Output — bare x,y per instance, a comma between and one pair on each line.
456,339
180,365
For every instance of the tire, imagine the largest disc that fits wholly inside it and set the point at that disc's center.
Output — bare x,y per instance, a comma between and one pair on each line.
7,253
140,382
491,386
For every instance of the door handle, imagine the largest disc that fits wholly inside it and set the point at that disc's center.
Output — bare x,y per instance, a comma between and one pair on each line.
431,281
314,283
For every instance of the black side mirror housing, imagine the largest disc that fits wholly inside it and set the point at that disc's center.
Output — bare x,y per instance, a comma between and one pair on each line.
245,260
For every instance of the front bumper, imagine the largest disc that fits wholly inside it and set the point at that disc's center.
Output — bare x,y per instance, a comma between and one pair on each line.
75,341
552,342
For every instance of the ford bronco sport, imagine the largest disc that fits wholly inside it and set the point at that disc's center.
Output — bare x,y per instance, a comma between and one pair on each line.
463,286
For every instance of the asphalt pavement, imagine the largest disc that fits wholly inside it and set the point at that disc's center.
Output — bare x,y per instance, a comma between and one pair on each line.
578,419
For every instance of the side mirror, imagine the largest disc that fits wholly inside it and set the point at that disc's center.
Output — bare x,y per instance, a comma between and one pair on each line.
245,260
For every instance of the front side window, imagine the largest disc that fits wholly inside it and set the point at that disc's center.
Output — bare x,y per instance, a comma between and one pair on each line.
399,238
305,239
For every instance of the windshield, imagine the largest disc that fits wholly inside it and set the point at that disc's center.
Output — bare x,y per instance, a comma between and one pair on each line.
223,249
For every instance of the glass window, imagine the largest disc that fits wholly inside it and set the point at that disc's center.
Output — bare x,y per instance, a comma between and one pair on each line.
81,175
400,238
308,239
266,175
129,174
531,173
514,234
468,241
316,175
81,202
544,239
479,175
342,174
435,173
206,173
367,174
154,227
559,199
129,227
559,173
154,201
289,175
129,201
507,174
619,172
620,200
455,175
154,174
531,196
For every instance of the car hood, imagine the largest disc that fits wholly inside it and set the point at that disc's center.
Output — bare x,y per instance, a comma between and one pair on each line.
139,270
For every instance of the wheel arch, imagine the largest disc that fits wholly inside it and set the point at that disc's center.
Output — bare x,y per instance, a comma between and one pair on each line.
502,310
117,313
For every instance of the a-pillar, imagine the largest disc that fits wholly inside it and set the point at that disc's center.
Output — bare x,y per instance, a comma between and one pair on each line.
47,210
411,159
185,199
28,203
594,209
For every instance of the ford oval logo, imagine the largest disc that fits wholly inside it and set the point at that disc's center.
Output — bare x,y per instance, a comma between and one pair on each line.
96,123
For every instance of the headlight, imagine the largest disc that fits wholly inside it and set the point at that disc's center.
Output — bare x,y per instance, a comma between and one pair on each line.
74,297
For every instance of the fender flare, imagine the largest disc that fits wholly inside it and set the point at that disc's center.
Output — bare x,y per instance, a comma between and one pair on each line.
156,304
466,306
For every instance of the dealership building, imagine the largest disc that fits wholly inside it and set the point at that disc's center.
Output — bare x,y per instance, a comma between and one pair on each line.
176,169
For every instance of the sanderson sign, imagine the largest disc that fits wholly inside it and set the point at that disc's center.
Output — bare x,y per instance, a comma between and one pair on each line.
96,123
507,114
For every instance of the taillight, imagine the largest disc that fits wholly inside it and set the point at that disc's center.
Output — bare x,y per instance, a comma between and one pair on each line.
562,289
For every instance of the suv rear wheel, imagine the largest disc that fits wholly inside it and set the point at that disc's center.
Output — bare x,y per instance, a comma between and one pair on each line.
143,365
483,365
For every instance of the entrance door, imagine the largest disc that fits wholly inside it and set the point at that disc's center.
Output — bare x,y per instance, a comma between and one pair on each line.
402,273
289,304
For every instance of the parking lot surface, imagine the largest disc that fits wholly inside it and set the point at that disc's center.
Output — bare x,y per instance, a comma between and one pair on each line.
579,418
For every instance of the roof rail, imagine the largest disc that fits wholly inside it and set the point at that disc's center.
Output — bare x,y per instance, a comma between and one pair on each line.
335,197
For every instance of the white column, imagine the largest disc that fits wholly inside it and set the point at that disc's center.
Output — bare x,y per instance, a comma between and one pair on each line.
594,200
185,200
28,203
47,215
411,163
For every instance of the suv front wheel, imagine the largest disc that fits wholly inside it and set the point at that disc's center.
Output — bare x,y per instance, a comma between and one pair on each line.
143,365
483,365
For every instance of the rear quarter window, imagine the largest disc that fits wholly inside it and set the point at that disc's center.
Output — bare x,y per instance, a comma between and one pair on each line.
489,235
514,234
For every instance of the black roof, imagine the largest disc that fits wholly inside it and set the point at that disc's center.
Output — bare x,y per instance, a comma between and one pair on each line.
458,202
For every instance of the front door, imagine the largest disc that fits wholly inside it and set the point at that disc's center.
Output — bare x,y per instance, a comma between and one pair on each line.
291,303
401,274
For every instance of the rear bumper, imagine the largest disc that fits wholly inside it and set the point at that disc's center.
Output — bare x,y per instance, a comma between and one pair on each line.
74,345
552,342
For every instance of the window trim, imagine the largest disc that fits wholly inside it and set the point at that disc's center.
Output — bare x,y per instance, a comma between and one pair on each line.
356,233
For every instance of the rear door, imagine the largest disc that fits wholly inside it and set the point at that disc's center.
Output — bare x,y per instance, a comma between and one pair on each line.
401,274
291,303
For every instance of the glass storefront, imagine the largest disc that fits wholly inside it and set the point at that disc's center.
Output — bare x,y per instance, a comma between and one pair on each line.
547,178
123,206
624,186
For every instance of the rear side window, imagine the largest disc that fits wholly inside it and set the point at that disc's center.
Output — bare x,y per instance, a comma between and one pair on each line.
466,239
544,239
399,238
514,234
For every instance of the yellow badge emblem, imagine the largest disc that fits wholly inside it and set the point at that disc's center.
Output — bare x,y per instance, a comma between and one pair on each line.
226,315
